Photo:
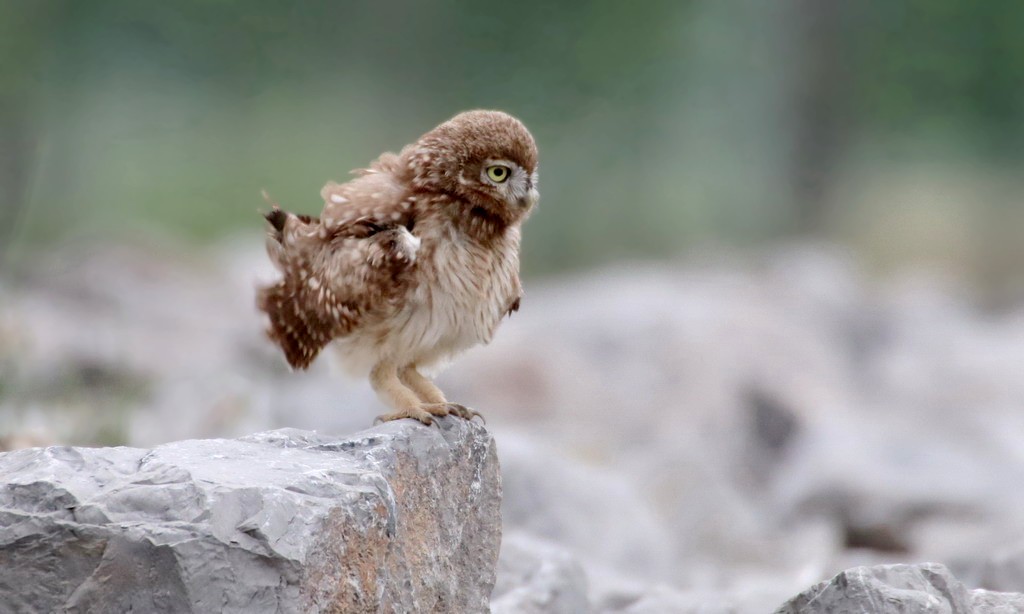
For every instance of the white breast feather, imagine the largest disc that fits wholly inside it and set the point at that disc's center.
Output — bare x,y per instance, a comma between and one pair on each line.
468,293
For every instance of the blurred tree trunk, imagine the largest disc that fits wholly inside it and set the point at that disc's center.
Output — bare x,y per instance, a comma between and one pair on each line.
25,37
818,91
17,150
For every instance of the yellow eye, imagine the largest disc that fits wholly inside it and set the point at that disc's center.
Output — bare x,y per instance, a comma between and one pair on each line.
498,174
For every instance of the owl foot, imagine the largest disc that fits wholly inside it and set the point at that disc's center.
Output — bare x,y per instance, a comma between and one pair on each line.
413,412
453,409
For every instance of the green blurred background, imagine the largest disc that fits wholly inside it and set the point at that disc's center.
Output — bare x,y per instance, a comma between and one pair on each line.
894,127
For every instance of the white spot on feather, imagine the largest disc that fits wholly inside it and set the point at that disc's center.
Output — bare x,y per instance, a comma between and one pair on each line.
338,198
412,242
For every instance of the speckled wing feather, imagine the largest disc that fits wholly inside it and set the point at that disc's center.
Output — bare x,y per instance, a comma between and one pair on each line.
378,193
334,279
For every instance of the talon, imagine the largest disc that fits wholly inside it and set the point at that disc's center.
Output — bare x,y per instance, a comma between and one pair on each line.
465,412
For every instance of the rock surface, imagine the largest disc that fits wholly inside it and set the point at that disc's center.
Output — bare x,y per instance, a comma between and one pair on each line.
400,518
899,589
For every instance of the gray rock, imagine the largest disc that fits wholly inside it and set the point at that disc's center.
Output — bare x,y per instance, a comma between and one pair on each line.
400,518
537,577
563,500
661,599
900,589
896,589
764,425
1001,570
991,602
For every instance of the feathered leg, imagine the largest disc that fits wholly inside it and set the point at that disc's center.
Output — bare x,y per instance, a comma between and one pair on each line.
425,389
431,396
387,385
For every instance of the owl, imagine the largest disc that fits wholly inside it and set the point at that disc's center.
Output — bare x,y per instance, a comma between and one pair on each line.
409,264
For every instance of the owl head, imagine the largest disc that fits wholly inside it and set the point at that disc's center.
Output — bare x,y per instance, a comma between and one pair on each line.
487,160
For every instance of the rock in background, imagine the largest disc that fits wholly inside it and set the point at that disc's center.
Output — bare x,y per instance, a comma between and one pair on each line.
535,577
400,518
715,435
906,589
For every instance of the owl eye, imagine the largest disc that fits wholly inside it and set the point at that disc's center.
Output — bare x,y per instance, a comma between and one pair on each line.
498,174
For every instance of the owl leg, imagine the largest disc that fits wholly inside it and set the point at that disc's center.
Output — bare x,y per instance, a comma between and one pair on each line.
387,385
426,390
431,396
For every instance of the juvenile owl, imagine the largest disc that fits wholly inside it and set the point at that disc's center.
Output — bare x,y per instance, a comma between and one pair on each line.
410,263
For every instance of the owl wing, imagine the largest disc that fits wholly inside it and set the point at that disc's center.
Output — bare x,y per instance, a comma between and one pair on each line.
334,280
378,193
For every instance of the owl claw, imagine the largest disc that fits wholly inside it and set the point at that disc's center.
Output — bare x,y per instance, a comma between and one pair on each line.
453,409
475,414
467,413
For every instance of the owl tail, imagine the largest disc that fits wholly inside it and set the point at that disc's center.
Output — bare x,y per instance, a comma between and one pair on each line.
277,218
290,327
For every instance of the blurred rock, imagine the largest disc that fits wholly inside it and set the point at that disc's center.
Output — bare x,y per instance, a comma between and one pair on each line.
903,589
989,602
1002,569
556,497
618,597
398,518
535,577
733,427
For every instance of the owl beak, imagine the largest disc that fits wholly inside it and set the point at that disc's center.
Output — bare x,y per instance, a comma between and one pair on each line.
531,198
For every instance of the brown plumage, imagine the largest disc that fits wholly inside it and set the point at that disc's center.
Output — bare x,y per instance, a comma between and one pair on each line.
410,263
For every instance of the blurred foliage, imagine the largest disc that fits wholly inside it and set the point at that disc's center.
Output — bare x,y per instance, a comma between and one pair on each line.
660,123
941,68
